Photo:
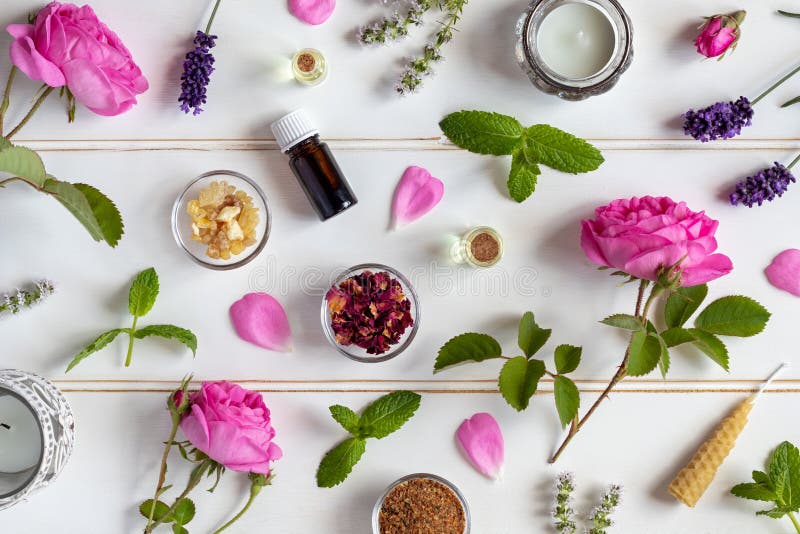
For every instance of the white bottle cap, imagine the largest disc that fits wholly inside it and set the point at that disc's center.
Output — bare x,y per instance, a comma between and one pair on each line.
292,128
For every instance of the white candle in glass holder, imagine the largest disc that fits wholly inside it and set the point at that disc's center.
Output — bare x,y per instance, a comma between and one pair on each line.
576,40
20,436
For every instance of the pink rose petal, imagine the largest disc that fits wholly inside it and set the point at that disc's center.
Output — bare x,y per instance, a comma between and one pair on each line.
417,193
784,271
482,441
312,11
261,320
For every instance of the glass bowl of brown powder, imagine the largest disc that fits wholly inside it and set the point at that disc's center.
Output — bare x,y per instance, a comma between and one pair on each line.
421,503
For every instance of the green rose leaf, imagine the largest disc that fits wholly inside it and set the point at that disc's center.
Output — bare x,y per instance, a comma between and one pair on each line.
338,463
519,380
76,203
483,132
531,336
645,353
664,361
561,150
23,163
102,340
711,346
169,331
676,336
105,212
467,347
184,511
179,529
568,399
733,316
523,176
682,303
160,513
624,321
389,413
784,472
143,292
754,492
347,418
567,358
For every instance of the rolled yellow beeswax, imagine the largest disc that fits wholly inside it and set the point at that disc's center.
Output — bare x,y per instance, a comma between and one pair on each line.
694,479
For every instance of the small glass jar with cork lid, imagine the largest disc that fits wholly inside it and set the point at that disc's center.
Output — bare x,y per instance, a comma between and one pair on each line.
481,246
309,66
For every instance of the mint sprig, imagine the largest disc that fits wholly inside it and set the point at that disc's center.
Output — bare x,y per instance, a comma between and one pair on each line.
484,132
141,298
519,377
780,485
384,416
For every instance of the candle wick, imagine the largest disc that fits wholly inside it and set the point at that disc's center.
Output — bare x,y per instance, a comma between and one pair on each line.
5,426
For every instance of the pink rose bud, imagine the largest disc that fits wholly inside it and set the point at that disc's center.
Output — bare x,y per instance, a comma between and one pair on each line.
719,33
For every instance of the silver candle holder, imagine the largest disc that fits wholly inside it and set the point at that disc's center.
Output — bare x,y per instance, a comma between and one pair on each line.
569,86
56,428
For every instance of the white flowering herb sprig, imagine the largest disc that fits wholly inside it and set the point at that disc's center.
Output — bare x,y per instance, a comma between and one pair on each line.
598,520
397,26
25,298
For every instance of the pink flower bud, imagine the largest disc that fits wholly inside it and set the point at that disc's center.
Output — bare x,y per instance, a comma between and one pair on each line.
719,34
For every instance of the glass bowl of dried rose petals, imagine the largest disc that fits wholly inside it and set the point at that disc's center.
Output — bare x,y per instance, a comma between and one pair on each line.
371,313
221,220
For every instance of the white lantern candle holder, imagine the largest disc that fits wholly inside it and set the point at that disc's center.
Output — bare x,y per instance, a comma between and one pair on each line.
37,434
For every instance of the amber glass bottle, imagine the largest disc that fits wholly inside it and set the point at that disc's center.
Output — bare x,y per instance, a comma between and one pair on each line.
313,164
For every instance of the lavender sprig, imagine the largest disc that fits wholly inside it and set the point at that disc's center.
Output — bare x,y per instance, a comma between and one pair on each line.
722,120
600,517
765,185
563,512
25,298
197,69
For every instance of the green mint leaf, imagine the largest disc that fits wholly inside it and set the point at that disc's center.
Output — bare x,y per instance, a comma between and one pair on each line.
105,212
23,163
762,478
76,203
645,353
337,464
664,361
711,346
519,380
179,529
523,176
775,513
102,340
676,336
560,150
184,511
733,316
784,472
623,320
754,492
483,132
160,512
567,358
169,331
143,293
682,303
568,399
389,413
531,336
467,347
347,418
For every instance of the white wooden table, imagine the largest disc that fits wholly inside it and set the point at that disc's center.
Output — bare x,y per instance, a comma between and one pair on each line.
144,158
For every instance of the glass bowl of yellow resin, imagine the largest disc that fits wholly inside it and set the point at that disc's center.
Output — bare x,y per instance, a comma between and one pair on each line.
208,229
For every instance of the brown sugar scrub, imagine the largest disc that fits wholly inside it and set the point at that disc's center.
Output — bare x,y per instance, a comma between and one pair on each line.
422,505
482,247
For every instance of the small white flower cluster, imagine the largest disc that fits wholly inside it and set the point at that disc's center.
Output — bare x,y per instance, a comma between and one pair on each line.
599,518
24,298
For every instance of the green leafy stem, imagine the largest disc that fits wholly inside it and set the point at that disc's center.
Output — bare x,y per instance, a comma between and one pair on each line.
96,212
484,132
141,298
520,375
384,416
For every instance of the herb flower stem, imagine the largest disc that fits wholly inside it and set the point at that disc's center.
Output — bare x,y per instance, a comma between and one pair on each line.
194,479
7,96
130,342
775,85
255,489
162,473
30,113
794,521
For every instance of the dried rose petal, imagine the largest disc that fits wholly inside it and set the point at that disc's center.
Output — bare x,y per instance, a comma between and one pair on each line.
369,310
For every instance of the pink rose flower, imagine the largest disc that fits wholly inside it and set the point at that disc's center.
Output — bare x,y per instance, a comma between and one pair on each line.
718,34
68,45
232,426
640,236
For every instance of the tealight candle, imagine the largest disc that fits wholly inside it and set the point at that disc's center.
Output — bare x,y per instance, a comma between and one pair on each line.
36,434
574,48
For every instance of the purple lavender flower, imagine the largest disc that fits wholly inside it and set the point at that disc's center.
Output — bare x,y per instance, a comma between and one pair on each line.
197,69
722,120
763,186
